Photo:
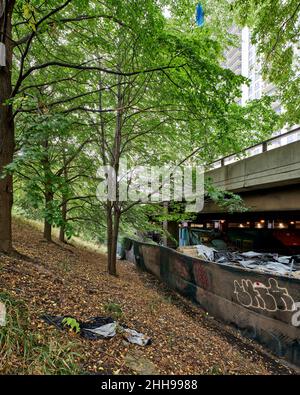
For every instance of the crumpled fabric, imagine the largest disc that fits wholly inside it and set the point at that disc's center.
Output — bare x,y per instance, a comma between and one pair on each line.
284,259
86,328
91,329
262,262
108,330
54,320
276,267
100,328
249,264
258,261
205,252
251,254
135,337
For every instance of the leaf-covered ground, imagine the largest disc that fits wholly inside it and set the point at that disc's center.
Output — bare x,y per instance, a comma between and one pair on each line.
67,280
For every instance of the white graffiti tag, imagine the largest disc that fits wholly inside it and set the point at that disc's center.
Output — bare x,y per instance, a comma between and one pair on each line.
296,316
258,295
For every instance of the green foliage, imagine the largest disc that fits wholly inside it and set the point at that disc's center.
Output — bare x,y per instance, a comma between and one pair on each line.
229,201
158,94
25,351
114,309
29,13
72,324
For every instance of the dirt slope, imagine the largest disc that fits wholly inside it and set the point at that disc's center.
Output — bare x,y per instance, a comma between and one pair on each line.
68,280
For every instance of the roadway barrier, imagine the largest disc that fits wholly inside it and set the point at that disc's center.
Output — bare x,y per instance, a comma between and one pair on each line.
266,307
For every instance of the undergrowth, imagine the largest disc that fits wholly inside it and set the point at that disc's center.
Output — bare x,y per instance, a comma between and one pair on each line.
114,309
23,351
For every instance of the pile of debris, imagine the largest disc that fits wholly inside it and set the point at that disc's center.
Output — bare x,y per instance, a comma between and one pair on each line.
262,262
199,251
97,328
189,250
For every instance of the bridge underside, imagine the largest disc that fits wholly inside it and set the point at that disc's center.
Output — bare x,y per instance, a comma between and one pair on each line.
269,184
277,199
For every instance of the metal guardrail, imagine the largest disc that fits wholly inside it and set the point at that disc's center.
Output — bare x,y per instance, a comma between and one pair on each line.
256,149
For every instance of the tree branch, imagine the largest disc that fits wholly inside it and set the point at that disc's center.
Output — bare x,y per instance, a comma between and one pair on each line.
22,77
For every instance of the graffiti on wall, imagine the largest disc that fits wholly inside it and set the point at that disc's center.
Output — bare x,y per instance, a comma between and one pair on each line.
200,275
296,316
269,297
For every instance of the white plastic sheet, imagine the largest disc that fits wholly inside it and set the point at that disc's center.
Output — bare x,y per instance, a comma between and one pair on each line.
135,337
2,314
205,252
108,330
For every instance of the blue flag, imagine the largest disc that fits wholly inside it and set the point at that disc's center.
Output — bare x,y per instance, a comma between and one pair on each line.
199,15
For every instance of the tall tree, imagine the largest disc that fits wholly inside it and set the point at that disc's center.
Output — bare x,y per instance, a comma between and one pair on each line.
32,33
147,88
168,116
6,126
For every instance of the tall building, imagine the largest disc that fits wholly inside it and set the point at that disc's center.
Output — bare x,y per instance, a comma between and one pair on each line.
242,59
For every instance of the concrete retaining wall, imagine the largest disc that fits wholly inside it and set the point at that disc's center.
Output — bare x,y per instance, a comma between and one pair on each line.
266,307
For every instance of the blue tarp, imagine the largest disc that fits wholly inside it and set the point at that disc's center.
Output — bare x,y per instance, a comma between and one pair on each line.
199,15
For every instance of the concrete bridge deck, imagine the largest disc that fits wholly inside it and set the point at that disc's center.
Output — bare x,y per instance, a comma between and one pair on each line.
269,181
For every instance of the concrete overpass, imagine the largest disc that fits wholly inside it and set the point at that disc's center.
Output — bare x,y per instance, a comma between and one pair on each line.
267,177
268,181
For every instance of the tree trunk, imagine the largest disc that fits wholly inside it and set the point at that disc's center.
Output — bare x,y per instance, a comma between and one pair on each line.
47,231
48,192
47,224
7,138
62,234
64,219
114,232
64,208
112,263
112,269
109,224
